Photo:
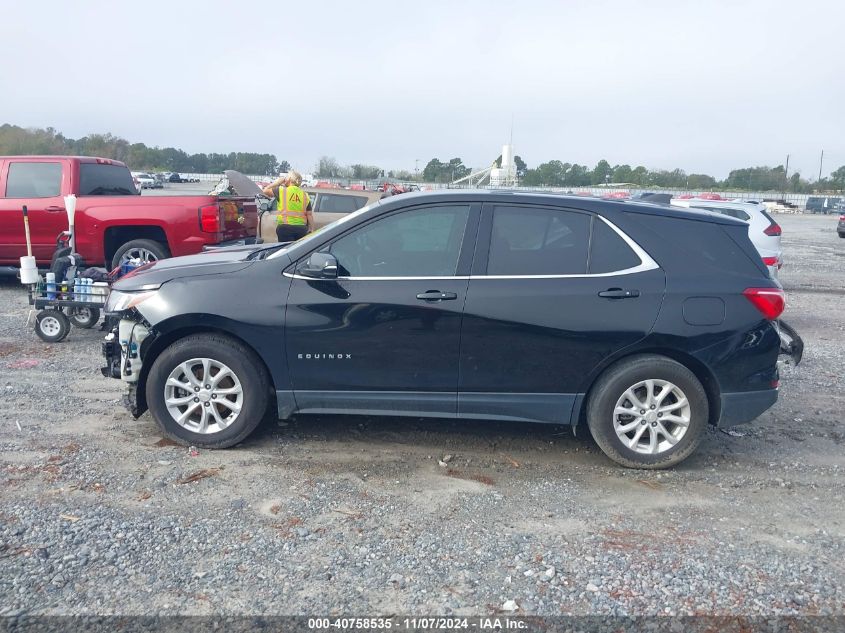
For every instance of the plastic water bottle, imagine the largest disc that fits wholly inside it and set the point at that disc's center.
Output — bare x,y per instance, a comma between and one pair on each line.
89,289
77,289
51,285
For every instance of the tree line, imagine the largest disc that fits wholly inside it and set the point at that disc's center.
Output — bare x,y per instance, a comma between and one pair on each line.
15,140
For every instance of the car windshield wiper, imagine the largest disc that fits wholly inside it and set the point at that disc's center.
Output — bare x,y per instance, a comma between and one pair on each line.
262,253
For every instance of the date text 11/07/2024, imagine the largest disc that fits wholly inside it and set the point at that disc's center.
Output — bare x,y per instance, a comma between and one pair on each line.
419,623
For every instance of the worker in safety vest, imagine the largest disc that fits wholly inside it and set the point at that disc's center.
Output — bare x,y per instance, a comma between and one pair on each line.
294,207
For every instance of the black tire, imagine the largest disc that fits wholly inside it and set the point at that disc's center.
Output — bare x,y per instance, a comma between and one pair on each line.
611,386
241,360
156,249
85,318
842,235
52,326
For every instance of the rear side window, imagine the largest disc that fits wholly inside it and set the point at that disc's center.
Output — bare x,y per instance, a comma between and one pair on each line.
704,246
608,251
333,203
534,241
105,180
34,180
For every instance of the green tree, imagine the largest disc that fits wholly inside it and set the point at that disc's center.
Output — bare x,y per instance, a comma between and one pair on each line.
327,167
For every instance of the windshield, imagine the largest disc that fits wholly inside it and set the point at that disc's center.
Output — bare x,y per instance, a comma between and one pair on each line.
320,231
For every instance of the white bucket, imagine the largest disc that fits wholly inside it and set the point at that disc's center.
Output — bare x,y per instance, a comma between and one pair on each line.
29,271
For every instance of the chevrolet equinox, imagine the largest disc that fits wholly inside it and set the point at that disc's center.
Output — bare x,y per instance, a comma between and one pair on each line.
645,322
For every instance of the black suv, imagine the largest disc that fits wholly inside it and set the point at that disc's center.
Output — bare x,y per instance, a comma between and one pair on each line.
645,322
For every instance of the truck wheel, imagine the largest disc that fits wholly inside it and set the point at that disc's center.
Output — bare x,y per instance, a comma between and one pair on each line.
85,317
647,412
208,390
145,250
51,326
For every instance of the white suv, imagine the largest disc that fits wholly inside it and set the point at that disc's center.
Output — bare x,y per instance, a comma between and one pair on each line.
763,231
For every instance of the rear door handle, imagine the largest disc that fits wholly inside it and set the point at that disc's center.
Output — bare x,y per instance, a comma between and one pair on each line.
53,209
619,293
436,295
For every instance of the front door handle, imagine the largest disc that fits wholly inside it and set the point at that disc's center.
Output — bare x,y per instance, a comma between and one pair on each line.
619,293
436,295
53,209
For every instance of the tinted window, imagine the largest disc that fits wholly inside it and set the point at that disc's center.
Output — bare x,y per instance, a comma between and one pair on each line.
332,203
419,243
105,180
529,241
699,246
608,251
34,180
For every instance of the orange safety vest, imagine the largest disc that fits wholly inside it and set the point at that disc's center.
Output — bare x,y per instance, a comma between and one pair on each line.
293,203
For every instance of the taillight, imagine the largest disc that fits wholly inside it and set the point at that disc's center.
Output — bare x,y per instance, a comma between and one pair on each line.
769,301
770,261
773,229
210,218
842,218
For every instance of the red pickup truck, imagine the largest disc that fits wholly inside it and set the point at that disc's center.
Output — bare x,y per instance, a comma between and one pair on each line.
112,222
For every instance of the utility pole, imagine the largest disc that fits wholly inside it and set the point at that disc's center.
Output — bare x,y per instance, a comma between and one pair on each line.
786,176
821,162
417,168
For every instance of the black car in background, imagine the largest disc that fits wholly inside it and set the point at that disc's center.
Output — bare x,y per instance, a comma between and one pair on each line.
645,322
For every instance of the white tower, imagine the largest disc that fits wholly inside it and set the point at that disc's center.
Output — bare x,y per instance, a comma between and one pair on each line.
505,175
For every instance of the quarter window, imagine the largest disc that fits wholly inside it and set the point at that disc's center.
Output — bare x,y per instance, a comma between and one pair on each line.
608,251
423,242
34,180
535,241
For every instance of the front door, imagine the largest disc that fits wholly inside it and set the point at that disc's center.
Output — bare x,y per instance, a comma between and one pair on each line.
553,293
384,337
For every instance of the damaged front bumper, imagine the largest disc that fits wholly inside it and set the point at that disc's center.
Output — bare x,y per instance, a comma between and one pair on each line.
123,350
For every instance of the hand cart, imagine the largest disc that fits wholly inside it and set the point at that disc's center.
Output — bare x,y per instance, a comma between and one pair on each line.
53,321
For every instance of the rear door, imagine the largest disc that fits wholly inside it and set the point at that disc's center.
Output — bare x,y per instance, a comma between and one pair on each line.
332,206
38,185
553,292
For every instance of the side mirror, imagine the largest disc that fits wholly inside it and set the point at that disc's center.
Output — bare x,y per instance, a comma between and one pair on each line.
265,204
319,266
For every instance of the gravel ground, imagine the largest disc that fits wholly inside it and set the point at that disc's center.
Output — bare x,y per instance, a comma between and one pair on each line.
356,515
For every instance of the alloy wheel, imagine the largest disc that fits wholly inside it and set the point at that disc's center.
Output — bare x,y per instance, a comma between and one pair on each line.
203,395
651,416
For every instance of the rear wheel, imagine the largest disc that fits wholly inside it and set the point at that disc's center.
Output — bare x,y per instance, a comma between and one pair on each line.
144,250
647,412
85,317
208,390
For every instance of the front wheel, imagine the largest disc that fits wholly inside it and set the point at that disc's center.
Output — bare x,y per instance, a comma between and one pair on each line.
647,412
208,390
52,326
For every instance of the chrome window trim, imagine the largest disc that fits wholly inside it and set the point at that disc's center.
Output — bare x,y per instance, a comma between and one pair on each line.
646,264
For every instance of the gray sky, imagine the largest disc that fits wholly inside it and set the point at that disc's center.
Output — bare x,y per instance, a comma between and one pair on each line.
705,86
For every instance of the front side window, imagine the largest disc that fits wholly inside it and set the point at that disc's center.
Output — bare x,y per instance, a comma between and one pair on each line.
34,180
534,241
423,242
